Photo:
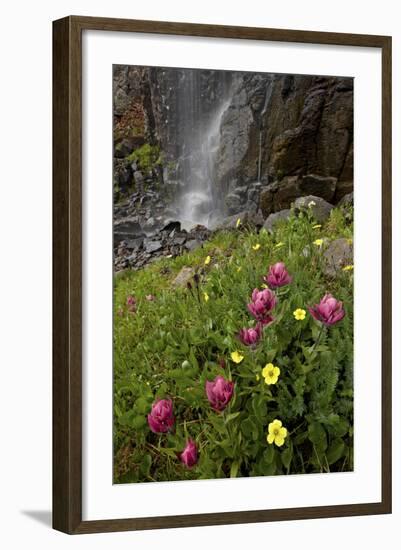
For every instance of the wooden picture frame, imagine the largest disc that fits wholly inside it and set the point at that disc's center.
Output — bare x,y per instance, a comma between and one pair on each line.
67,274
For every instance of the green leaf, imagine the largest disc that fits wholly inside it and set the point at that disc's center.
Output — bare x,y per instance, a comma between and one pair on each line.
145,465
138,422
317,435
234,469
335,451
286,456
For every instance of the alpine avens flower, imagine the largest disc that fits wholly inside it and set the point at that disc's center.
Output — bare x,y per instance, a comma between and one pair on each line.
328,311
277,276
276,433
318,242
236,357
219,392
299,314
263,302
189,456
270,373
250,336
161,418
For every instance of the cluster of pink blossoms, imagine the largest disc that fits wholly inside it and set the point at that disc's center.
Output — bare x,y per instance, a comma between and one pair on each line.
263,303
220,391
161,418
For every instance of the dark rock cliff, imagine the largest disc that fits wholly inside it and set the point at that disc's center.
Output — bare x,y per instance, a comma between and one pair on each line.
279,136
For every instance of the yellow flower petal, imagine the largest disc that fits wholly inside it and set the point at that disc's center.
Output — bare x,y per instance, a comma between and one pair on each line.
238,222
283,432
318,242
299,314
348,268
207,260
270,438
206,296
256,246
317,226
276,371
279,441
236,357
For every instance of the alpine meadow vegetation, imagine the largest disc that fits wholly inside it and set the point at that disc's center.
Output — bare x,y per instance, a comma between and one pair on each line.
245,370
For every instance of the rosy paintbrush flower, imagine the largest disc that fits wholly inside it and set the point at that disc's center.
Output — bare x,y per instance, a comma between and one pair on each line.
161,418
219,392
189,456
328,311
277,276
263,302
131,303
251,336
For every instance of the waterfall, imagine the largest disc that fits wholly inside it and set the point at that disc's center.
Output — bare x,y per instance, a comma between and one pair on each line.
200,135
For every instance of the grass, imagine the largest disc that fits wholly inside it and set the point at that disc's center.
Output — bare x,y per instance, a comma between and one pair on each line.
170,346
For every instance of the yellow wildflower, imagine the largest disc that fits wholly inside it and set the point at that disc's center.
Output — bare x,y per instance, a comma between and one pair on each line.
318,242
270,373
277,433
257,378
238,222
348,268
236,357
317,226
264,285
299,314
206,296
256,246
207,260
279,245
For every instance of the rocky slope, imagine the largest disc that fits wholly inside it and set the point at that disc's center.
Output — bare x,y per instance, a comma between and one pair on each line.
254,141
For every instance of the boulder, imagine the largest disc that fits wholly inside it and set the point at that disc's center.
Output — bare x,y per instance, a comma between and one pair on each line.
153,246
347,200
276,217
233,203
183,277
319,207
337,255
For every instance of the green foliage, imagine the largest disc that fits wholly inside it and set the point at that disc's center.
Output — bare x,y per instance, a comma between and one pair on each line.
147,156
172,345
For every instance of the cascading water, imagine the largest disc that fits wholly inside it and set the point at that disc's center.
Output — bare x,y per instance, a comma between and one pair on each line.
200,135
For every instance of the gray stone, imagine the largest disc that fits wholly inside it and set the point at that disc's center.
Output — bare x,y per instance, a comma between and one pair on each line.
183,277
193,244
233,203
179,241
273,219
347,200
337,255
153,246
134,244
319,207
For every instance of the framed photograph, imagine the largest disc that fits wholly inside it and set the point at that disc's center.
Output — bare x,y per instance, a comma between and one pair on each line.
222,275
